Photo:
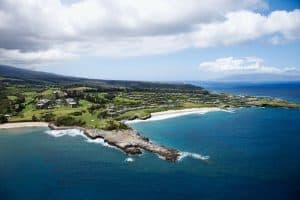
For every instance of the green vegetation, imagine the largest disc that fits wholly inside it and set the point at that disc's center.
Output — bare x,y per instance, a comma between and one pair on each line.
104,104
69,121
3,119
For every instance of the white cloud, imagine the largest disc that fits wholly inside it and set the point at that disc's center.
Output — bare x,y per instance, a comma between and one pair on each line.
32,59
245,26
50,19
248,65
32,30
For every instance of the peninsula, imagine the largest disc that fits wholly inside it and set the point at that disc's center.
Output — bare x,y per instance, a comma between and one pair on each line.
129,141
100,108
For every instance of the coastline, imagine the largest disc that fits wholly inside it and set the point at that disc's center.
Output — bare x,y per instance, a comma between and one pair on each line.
129,141
154,116
175,113
23,125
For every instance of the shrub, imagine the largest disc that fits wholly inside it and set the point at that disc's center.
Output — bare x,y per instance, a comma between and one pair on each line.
34,118
114,125
95,107
3,119
102,114
49,117
19,107
68,121
77,113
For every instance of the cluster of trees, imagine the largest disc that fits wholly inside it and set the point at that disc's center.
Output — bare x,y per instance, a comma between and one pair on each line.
115,125
95,107
47,117
102,114
8,106
77,113
69,121
97,99
5,106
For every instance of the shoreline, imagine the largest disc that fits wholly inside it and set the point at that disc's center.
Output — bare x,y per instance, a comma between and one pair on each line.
154,116
11,125
129,141
175,113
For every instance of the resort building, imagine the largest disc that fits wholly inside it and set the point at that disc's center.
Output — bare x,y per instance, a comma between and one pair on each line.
71,102
42,103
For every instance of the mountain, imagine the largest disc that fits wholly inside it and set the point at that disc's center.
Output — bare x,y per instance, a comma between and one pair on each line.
32,76
14,74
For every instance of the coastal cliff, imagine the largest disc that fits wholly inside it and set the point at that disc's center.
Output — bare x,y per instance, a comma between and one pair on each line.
129,141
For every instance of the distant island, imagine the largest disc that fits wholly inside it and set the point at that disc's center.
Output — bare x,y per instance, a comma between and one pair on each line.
100,108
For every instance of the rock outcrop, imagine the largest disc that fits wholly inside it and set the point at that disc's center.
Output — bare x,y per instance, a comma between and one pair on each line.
128,141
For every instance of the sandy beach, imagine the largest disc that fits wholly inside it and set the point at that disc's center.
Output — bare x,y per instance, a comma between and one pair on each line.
23,125
154,116
175,113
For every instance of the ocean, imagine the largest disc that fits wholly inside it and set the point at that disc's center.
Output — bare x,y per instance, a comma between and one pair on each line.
253,154
285,90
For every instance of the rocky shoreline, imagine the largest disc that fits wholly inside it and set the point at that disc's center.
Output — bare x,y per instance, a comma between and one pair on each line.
129,141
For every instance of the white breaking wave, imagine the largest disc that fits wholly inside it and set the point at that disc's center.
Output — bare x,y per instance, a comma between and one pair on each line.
129,160
192,155
69,132
99,141
77,132
230,110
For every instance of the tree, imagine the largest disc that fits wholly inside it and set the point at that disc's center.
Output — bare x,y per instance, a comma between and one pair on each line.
20,107
115,125
102,114
110,96
5,105
3,119
95,107
34,118
69,121
20,99
49,117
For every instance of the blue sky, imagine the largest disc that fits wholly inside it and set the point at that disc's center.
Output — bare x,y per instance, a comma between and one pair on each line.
245,38
181,65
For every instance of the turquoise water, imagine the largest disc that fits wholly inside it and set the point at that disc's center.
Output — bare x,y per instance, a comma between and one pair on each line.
254,154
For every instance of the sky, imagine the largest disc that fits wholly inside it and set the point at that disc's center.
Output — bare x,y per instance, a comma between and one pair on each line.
157,40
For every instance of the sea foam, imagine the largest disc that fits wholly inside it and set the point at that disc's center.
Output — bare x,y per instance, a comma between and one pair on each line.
192,155
129,159
69,132
229,110
77,132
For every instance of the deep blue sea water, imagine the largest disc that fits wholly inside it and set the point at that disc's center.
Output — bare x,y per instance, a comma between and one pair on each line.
254,154
285,90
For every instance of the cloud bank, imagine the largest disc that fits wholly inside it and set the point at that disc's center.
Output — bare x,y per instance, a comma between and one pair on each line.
224,67
38,32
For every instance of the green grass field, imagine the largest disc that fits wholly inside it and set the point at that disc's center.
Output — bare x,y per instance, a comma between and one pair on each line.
105,110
